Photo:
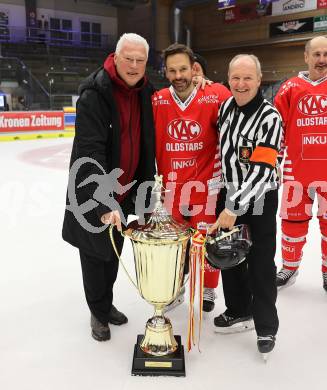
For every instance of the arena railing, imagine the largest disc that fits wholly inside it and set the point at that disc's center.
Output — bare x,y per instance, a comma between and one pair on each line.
55,37
14,72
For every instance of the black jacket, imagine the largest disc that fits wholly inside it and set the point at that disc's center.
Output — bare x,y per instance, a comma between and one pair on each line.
98,137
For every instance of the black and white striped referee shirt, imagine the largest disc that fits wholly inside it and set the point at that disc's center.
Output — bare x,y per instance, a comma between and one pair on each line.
250,138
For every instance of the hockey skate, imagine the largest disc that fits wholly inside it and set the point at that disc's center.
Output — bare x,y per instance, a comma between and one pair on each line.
286,277
226,324
324,278
209,297
265,345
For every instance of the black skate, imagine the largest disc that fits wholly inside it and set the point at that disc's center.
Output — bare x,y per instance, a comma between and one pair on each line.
209,297
286,277
226,324
266,345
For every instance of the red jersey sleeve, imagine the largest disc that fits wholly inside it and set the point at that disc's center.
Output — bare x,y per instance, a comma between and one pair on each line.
282,103
154,98
222,92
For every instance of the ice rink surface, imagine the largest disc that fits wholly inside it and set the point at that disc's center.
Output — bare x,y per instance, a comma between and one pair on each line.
45,341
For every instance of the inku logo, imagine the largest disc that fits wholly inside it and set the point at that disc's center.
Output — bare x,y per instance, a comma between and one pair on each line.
184,130
313,105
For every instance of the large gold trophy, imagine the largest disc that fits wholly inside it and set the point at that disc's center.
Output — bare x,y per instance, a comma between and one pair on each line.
159,248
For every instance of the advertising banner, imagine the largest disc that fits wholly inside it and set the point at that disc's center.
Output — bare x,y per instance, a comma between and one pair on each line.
297,26
30,7
244,12
266,1
322,4
223,4
284,7
4,23
320,23
31,121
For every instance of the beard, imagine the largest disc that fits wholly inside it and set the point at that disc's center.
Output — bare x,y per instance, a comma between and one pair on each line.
181,85
321,67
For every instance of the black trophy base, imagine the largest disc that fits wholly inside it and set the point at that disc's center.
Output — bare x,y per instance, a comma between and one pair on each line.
148,365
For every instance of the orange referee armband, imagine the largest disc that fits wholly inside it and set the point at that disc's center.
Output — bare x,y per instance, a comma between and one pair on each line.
264,154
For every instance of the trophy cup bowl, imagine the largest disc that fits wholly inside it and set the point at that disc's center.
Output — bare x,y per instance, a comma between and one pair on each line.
159,266
159,248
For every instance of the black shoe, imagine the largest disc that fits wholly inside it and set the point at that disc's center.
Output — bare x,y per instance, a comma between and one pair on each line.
324,278
209,297
266,343
227,324
116,317
286,277
100,332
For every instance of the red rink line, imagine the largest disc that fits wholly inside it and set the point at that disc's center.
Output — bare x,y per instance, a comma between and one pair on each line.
56,157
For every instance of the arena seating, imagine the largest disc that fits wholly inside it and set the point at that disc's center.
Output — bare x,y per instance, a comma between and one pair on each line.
54,73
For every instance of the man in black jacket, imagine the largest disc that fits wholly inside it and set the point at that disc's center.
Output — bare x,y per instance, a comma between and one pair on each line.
113,152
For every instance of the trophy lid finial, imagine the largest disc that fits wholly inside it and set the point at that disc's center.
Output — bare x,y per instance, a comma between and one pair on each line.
160,225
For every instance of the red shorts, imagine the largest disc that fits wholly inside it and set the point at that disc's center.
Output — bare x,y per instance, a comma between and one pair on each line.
297,200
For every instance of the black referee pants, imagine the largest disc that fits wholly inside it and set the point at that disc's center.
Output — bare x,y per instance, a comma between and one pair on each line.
99,276
250,288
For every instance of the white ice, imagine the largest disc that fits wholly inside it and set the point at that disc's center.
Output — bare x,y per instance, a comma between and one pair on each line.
45,341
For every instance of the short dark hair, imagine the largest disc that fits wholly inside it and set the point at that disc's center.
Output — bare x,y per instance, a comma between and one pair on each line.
178,48
202,61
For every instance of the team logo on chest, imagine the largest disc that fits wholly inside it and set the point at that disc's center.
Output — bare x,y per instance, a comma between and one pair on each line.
184,130
313,104
244,154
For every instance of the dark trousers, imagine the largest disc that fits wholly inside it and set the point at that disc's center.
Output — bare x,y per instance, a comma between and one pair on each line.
99,276
250,288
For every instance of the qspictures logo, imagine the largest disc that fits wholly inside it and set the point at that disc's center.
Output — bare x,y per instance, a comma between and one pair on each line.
107,186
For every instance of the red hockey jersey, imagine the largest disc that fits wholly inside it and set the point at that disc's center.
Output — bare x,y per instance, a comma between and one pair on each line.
302,104
187,142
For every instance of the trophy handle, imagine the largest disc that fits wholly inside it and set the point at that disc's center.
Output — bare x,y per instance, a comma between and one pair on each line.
117,254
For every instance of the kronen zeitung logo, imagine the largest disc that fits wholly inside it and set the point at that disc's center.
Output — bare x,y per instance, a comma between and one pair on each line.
31,121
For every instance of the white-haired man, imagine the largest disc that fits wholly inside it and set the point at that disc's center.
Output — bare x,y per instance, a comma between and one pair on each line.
114,127
302,103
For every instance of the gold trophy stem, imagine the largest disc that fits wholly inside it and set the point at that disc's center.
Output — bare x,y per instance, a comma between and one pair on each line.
158,339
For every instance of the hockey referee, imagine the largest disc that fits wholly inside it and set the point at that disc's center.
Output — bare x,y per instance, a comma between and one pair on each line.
250,136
